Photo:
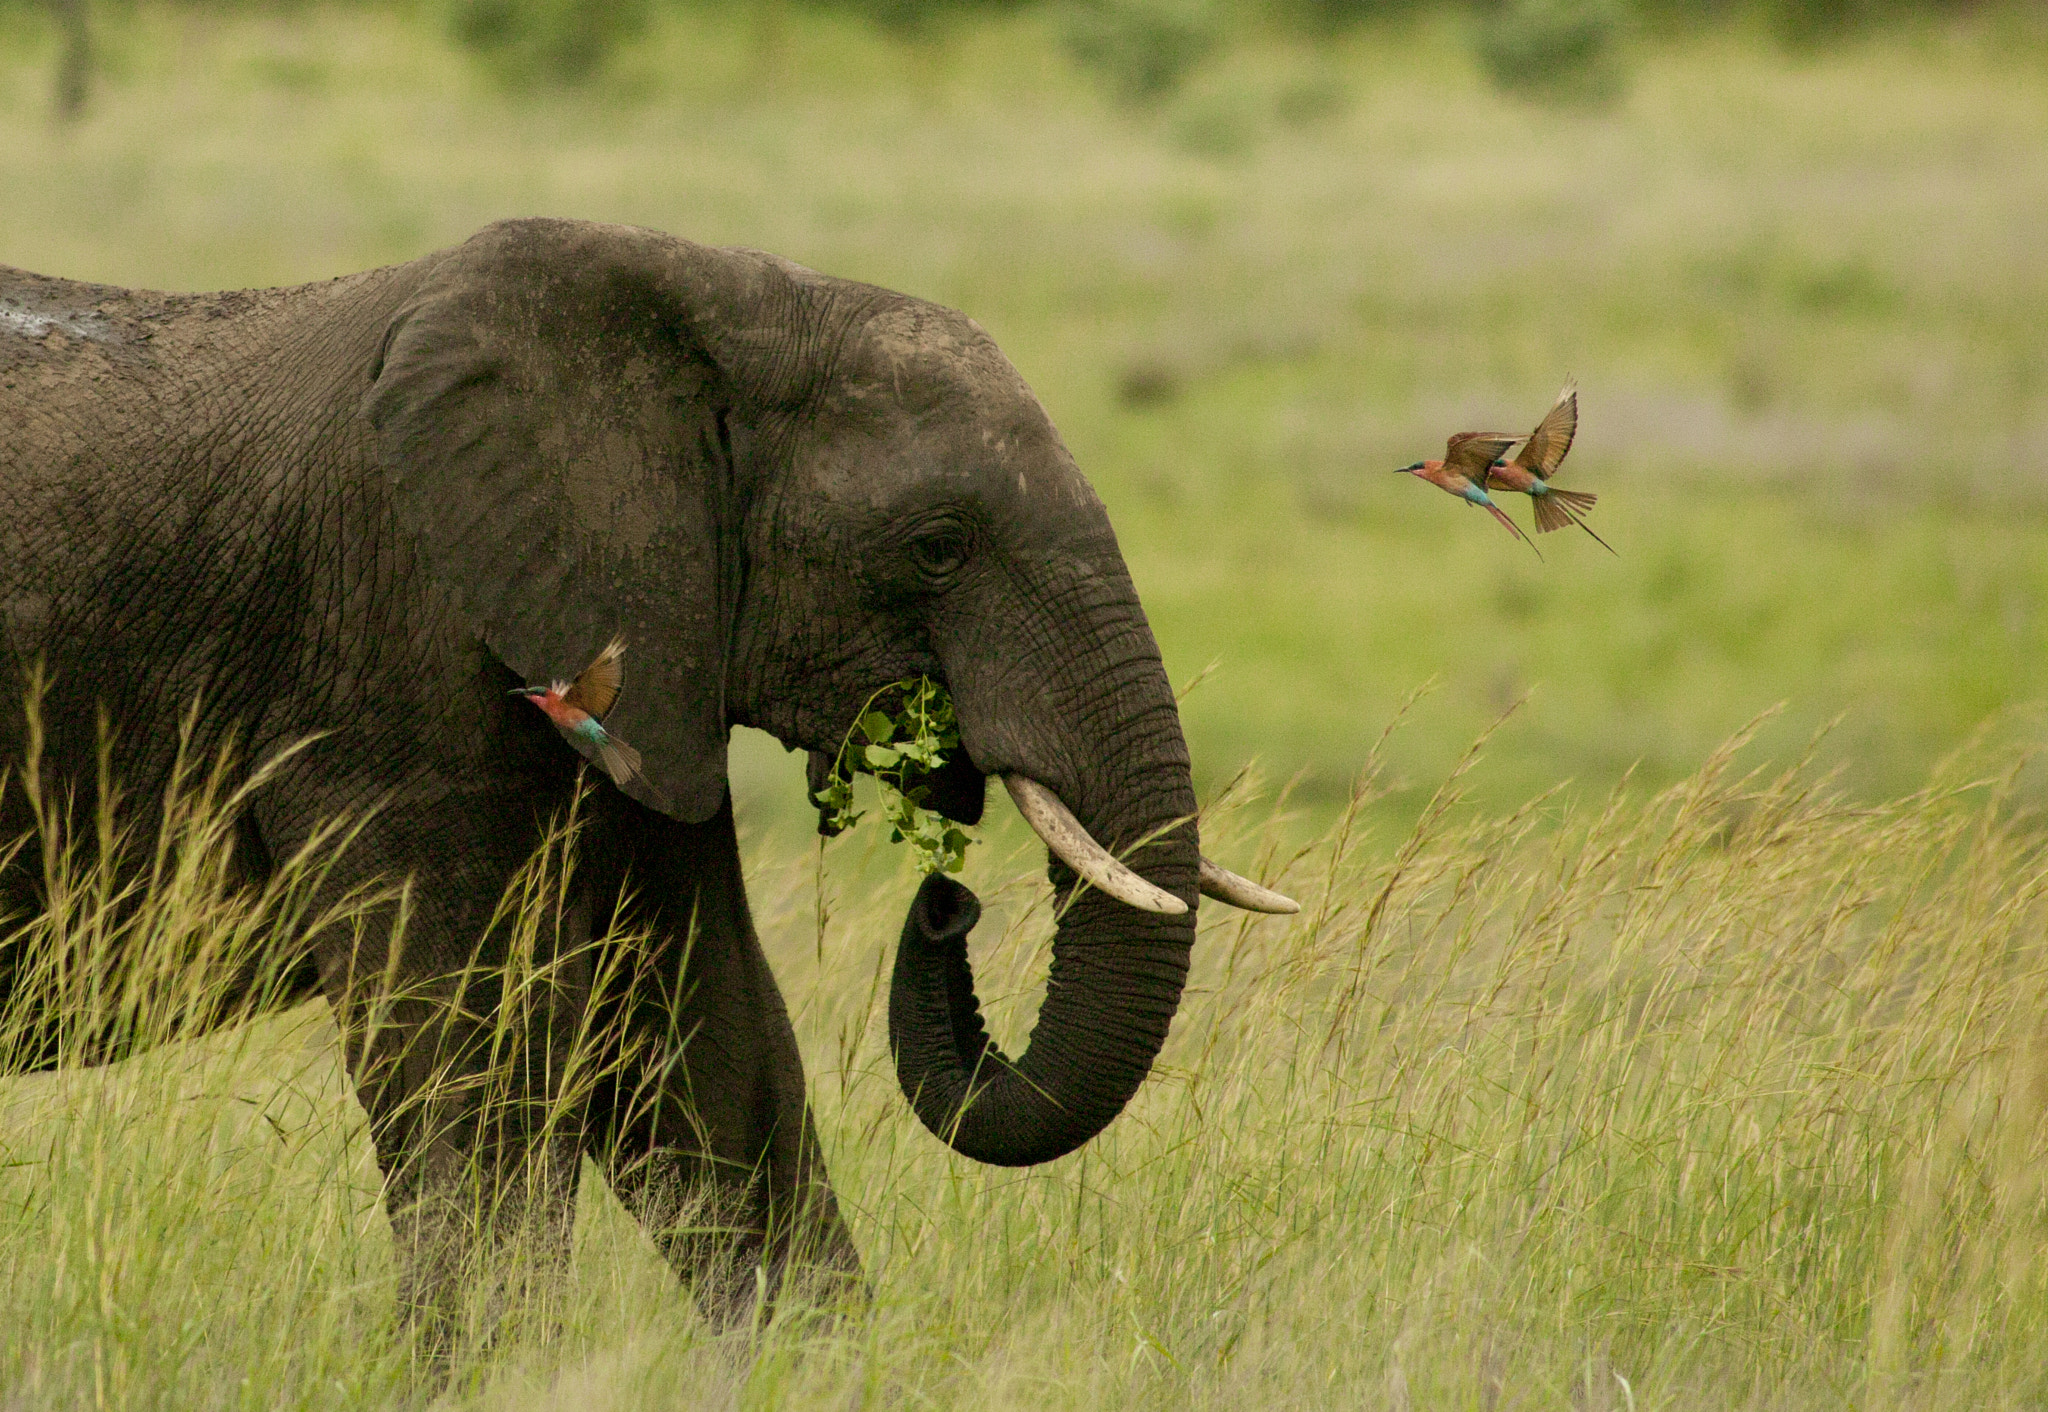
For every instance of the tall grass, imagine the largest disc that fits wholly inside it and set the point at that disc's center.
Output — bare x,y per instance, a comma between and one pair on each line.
154,955
135,1194
1730,1094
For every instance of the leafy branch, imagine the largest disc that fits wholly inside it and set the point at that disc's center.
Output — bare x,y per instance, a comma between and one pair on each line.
900,736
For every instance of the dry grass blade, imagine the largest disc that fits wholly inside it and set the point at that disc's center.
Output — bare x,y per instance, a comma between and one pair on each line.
1738,1085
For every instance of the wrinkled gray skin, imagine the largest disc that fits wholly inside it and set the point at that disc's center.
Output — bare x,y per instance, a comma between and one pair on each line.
373,507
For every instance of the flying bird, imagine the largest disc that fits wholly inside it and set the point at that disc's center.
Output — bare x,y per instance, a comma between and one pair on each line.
1529,473
578,710
1468,457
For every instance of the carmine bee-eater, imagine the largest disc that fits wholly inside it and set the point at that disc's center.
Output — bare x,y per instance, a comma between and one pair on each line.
1529,473
578,710
1462,472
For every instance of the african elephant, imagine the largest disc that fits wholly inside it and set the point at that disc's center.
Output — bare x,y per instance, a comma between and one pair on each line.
371,509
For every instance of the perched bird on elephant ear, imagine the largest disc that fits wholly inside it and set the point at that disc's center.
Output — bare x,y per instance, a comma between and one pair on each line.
578,709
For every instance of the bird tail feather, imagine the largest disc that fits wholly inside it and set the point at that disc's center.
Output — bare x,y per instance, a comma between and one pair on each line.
1596,538
622,763
620,760
1512,528
1549,514
1566,507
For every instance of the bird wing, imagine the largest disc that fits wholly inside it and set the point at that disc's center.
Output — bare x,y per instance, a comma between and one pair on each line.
596,687
1471,452
1545,450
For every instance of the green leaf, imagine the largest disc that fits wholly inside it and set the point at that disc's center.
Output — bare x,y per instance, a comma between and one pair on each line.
917,733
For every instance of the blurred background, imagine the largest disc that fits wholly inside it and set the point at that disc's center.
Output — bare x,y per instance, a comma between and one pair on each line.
1254,257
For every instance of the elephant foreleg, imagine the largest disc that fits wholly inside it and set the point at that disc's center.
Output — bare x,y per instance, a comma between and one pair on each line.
703,1125
480,1176
462,1051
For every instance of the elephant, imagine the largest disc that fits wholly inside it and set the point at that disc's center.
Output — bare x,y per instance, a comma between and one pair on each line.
366,513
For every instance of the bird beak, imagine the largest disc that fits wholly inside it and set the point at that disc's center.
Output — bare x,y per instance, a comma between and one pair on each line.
1404,470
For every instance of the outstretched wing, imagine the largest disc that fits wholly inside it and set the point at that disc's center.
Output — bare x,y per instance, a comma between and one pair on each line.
1553,435
1471,452
596,687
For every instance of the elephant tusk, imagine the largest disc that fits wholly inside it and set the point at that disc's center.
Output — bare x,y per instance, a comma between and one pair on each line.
1060,831
1225,886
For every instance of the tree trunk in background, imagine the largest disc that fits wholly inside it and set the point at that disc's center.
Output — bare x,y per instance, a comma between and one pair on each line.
74,63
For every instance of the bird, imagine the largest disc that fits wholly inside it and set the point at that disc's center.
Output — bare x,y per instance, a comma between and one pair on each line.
578,709
1541,454
1467,458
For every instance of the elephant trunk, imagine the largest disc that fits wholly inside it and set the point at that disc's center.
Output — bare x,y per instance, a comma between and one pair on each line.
1117,970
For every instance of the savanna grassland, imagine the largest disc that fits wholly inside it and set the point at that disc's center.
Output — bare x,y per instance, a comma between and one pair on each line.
1802,294
1702,1080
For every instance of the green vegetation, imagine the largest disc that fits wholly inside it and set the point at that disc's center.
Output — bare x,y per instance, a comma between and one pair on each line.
546,41
1720,1090
1800,293
903,733
1555,48
1144,49
1732,1096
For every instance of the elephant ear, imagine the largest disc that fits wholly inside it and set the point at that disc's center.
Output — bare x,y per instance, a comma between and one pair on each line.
552,434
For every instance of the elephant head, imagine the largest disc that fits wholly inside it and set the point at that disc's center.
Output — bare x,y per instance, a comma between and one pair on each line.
787,491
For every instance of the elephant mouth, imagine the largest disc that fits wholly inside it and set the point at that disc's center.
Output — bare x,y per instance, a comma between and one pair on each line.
956,789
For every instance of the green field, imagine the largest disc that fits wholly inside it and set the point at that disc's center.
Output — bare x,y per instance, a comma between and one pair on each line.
1803,297
1728,1098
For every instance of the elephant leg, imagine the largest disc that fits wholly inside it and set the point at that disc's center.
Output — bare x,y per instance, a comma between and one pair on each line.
480,1196
459,1045
702,1123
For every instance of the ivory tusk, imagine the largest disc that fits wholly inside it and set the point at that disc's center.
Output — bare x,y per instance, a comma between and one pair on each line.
1225,886
1060,831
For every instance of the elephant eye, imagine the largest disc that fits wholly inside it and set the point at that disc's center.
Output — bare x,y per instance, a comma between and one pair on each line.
939,552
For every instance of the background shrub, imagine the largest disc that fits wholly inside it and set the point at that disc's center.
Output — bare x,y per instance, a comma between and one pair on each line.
1555,49
919,19
1143,49
546,41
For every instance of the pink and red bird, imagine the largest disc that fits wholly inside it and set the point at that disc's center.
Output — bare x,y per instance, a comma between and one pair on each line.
1474,463
578,710
1541,454
1468,456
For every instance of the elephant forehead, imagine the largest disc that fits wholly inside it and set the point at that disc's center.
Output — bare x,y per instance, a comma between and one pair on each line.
907,331
912,462
924,360
924,402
